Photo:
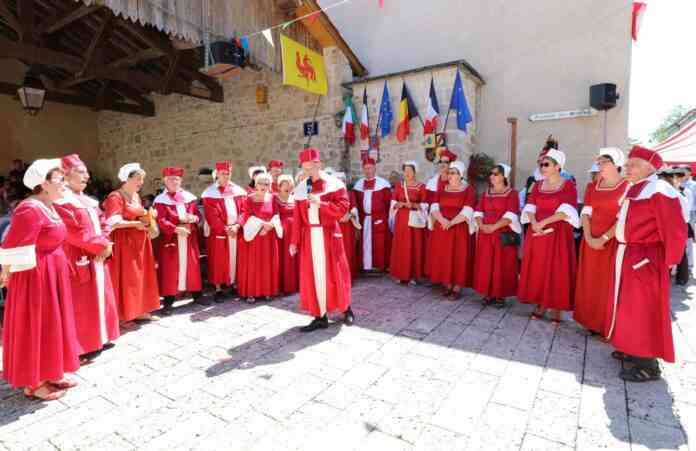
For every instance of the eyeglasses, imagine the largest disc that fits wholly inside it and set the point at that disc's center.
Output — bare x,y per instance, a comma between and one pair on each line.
545,164
496,173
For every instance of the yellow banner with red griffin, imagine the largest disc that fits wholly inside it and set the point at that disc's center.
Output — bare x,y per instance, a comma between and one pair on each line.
302,67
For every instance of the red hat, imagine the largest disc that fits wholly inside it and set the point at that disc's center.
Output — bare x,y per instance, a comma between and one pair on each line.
369,161
223,166
448,154
173,171
648,155
543,153
71,161
275,164
309,154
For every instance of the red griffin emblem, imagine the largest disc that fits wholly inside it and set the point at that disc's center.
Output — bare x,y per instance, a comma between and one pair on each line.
304,66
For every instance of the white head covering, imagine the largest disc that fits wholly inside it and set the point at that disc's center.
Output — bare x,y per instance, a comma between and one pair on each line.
617,156
330,171
286,178
459,166
594,168
558,156
340,175
127,169
263,176
37,172
256,168
506,170
412,164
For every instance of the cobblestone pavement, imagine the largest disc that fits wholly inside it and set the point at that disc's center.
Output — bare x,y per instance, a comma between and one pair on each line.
414,372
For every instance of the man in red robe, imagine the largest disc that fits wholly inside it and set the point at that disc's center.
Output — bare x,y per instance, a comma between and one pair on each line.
373,195
438,182
222,205
321,201
179,268
651,232
275,168
87,246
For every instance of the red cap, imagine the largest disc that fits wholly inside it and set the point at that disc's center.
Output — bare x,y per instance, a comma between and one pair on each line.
448,154
275,164
71,161
173,171
223,166
648,155
310,154
543,153
369,161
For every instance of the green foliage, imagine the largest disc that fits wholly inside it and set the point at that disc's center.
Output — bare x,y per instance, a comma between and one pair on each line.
664,130
480,165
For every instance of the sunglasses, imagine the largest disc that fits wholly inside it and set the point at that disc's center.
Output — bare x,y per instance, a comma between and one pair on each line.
545,164
496,173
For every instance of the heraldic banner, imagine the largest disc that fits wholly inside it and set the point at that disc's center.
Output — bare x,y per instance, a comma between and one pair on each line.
303,68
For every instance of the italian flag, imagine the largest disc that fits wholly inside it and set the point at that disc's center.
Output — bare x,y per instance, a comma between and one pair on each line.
349,123
364,121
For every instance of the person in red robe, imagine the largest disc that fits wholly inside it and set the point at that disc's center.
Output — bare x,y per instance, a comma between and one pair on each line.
289,269
435,185
409,208
257,275
132,264
547,277
87,247
179,267
350,229
222,205
450,245
373,195
275,168
498,224
597,250
39,338
325,283
253,172
651,232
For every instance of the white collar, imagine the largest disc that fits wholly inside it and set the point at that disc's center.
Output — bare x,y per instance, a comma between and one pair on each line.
332,185
163,198
212,192
380,184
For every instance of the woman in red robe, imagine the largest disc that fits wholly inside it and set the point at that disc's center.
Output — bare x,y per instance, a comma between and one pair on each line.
597,251
350,229
450,244
408,245
435,185
547,277
497,219
222,205
87,247
132,264
179,267
289,269
651,232
39,339
325,283
258,274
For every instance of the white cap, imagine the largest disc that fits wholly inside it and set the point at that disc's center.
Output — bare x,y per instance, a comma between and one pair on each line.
459,166
340,175
263,176
37,172
128,169
617,156
558,156
256,168
411,163
330,171
286,178
506,170
594,168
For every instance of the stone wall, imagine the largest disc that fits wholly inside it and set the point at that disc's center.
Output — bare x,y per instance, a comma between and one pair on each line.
394,153
195,133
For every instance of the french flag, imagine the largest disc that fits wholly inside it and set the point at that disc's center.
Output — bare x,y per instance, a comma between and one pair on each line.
433,111
364,121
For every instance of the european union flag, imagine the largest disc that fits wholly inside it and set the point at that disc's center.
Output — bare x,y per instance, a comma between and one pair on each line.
385,112
459,104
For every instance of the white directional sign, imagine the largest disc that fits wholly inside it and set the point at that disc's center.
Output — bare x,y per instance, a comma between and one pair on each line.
585,112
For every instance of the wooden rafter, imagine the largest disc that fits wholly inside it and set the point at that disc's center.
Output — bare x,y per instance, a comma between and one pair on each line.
111,105
9,17
171,72
25,15
68,18
97,41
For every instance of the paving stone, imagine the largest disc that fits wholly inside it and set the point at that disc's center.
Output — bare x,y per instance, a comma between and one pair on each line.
535,443
647,435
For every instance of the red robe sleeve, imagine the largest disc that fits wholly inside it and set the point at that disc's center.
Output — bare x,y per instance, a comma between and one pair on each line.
113,208
213,216
422,194
19,246
246,212
481,205
166,221
297,225
192,208
334,206
587,199
470,198
513,202
78,234
671,227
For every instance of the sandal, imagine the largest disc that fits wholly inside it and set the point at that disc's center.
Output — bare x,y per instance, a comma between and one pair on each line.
64,383
499,303
537,315
44,392
455,295
618,355
250,301
640,374
447,292
486,301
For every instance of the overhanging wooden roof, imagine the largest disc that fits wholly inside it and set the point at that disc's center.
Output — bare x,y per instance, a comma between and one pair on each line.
88,56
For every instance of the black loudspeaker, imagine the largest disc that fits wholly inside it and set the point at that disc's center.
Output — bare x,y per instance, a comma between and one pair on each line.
603,96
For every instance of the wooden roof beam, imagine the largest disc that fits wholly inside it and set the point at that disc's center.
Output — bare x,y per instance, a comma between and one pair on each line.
68,18
9,18
98,40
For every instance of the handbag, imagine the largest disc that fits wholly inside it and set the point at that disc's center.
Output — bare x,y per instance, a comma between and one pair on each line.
416,219
510,239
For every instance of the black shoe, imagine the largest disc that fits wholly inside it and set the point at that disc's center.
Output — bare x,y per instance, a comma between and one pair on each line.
108,346
219,297
320,322
199,299
349,317
233,291
88,357
167,305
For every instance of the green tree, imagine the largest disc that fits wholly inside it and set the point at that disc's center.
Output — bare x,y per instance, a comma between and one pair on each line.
664,129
